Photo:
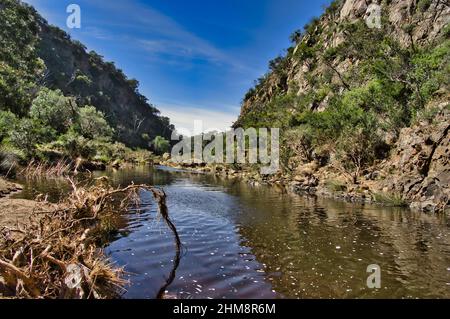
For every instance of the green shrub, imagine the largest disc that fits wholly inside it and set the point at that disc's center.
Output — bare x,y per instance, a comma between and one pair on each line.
74,145
8,120
423,5
161,145
52,109
395,200
9,159
26,135
336,185
92,124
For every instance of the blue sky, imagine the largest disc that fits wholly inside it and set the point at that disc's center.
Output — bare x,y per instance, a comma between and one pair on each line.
194,59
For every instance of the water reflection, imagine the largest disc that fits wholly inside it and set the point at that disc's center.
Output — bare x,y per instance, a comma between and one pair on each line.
247,242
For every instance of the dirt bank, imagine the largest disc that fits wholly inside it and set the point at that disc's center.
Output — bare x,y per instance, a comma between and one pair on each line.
19,211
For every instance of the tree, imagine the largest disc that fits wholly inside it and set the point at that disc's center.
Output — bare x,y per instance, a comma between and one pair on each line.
7,122
92,124
296,37
20,68
161,145
52,109
25,136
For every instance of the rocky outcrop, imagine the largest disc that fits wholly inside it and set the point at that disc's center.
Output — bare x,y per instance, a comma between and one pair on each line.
7,188
419,168
414,21
411,22
414,166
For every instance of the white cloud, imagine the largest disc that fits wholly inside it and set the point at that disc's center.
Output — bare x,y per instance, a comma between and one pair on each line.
184,117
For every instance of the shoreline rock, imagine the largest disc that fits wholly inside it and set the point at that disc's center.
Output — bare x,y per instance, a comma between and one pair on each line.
8,188
369,190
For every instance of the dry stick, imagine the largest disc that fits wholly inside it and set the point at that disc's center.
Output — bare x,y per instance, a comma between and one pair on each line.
96,207
14,270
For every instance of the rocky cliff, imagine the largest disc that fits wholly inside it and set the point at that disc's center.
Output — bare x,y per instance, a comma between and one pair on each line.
419,165
411,22
373,93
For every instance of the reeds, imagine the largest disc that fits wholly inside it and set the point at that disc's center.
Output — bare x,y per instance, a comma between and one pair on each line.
36,169
55,254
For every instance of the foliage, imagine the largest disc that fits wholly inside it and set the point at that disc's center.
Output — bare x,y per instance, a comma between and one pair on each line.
335,185
161,145
395,200
360,93
20,66
8,120
92,124
26,135
52,109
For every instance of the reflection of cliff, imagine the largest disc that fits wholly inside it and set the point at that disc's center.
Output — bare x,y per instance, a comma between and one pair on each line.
314,248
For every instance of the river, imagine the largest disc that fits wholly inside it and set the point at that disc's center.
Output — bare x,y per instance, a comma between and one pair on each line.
241,241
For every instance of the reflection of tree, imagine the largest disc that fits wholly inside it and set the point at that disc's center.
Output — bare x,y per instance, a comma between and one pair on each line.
320,248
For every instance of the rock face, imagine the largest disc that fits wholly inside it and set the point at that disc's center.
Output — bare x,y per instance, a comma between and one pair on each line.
426,17
419,170
411,21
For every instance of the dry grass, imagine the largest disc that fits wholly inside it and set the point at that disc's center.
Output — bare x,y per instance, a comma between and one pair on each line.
56,254
36,169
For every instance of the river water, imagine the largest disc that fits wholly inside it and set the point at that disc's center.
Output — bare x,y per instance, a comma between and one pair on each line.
261,242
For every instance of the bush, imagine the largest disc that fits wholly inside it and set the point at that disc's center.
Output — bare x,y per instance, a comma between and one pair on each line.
92,124
52,109
347,130
26,135
161,145
336,185
7,122
9,158
74,145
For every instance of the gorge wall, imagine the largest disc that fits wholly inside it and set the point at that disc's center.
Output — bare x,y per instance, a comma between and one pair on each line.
366,108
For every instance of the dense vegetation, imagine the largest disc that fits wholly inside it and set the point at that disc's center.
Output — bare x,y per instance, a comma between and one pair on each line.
353,114
58,101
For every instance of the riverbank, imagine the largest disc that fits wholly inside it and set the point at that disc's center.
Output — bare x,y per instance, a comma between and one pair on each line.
414,174
17,211
7,188
373,188
55,250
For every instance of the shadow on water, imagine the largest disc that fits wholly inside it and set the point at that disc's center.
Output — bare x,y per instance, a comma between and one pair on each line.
260,242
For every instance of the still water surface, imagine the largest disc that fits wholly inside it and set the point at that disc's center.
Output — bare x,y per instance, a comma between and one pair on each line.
261,242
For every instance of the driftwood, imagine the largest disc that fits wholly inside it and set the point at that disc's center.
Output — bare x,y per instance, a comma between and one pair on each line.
57,255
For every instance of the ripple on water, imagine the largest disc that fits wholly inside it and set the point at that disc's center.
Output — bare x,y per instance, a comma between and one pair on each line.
246,242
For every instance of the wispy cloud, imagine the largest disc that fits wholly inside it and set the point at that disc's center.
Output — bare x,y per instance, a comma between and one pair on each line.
97,33
159,34
183,49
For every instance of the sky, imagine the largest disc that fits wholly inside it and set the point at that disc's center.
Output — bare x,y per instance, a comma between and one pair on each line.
195,59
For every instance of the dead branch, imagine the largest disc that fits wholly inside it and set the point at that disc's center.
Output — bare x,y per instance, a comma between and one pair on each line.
56,255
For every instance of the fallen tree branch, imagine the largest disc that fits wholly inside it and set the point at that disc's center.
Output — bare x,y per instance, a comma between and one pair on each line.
56,255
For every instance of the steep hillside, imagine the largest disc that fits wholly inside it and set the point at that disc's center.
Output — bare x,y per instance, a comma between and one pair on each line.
38,54
332,46
348,97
